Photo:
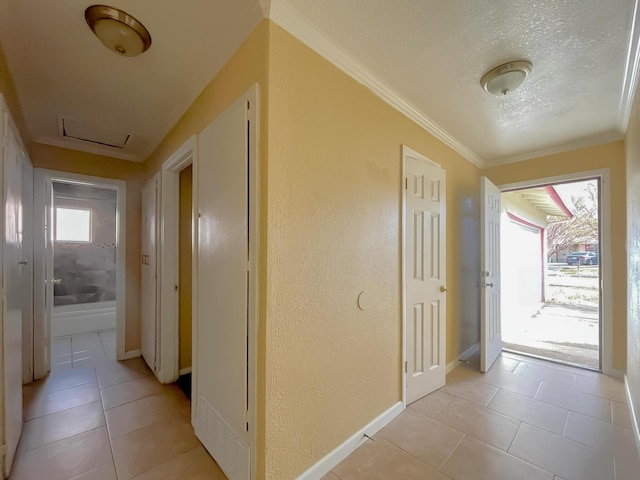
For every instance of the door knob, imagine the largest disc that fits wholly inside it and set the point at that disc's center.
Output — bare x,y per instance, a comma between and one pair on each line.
443,289
22,262
57,281
489,284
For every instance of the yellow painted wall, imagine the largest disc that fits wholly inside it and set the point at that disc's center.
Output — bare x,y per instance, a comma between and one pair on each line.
610,156
632,144
7,89
334,213
248,66
62,159
184,265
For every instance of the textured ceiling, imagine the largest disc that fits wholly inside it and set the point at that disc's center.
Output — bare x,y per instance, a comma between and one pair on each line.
62,71
432,54
425,56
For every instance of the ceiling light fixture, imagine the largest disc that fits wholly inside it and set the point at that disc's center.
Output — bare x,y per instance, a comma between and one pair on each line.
506,78
117,30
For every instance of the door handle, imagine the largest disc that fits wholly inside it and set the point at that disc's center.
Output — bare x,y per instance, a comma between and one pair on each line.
489,284
56,281
443,289
22,262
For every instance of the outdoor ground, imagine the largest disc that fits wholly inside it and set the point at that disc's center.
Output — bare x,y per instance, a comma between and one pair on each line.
566,327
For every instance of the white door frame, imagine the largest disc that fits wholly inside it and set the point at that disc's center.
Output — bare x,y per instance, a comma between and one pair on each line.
408,152
168,268
606,317
41,330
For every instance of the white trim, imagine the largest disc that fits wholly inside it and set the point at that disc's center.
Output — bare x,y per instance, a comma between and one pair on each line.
605,250
472,350
591,141
635,420
333,458
130,354
168,268
301,28
630,81
184,371
41,331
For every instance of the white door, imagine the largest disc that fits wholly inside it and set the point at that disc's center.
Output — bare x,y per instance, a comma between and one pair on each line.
12,293
490,326
424,275
149,296
222,290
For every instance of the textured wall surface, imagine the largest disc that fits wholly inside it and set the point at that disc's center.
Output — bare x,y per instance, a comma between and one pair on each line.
334,230
632,143
610,156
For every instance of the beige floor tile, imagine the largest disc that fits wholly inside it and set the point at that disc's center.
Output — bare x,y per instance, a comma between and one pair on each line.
140,451
46,402
482,424
64,459
407,467
546,374
183,402
603,386
113,373
597,434
554,365
475,460
130,391
574,400
60,425
330,476
510,381
621,414
626,461
432,404
463,383
561,456
194,465
505,363
367,460
104,472
159,408
90,361
536,413
427,439
68,378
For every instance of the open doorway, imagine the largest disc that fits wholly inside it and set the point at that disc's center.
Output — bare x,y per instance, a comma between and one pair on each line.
83,320
551,272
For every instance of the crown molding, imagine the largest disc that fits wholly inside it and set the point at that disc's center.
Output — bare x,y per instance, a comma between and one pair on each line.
601,139
630,81
297,25
89,148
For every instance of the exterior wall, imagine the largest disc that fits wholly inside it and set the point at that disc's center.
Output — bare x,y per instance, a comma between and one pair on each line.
64,160
334,230
609,156
632,143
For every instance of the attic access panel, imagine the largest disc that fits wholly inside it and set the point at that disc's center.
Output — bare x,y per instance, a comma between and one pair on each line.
93,134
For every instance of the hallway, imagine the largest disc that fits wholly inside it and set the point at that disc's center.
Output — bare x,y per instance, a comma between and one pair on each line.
106,422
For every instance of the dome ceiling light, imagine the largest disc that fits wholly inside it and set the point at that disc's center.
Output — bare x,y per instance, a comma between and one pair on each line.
506,78
117,30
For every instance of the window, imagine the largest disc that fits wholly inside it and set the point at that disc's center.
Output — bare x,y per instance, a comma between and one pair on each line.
73,224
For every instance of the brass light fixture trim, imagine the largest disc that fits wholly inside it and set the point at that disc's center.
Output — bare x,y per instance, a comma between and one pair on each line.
117,30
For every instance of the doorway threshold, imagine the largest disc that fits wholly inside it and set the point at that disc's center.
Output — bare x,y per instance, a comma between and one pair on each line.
524,351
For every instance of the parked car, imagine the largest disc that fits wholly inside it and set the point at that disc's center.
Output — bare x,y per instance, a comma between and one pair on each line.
584,258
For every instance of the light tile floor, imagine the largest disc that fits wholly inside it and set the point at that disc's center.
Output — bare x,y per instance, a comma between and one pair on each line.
83,350
106,421
526,419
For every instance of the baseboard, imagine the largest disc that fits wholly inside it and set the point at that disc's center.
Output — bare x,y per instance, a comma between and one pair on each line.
130,354
324,466
635,421
614,372
184,371
466,354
